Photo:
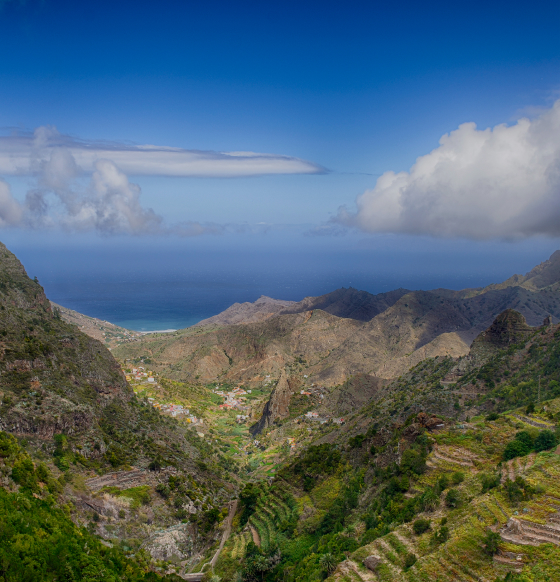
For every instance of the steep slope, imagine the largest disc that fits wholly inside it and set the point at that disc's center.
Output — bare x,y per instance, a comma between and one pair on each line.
382,335
247,312
109,334
401,493
66,400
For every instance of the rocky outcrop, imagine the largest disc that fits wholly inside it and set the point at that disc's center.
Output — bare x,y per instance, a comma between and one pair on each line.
56,415
372,562
174,544
278,405
430,422
508,328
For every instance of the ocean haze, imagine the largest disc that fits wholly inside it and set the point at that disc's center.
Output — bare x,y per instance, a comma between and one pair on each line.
150,284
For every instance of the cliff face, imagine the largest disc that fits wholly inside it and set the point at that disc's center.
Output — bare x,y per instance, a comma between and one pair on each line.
278,405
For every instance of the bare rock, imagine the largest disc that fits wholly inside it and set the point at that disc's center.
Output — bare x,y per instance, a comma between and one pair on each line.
372,562
278,405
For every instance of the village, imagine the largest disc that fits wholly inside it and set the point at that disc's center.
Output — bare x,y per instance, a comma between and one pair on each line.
226,407
141,375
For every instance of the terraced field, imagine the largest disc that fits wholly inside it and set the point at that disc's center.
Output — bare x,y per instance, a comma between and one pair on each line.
274,508
529,529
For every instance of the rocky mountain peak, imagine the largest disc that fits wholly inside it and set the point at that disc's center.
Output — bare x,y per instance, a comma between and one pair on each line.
508,328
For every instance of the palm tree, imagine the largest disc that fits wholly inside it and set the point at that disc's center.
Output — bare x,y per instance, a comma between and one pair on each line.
328,563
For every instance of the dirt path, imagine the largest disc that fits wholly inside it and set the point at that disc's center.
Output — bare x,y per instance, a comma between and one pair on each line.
227,532
255,535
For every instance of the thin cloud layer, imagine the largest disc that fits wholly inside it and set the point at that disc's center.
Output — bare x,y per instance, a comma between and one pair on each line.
110,203
24,154
501,182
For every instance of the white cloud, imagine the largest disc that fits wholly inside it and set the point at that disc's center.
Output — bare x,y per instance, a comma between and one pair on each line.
11,212
24,154
501,182
110,203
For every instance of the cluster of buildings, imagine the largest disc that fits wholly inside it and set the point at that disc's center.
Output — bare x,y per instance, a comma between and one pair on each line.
314,390
312,415
233,399
140,374
176,410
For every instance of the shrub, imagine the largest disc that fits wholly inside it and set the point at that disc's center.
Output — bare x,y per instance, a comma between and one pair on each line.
420,526
493,416
518,490
410,560
491,542
23,473
457,477
443,482
530,408
489,481
429,500
356,442
520,446
441,535
413,461
545,440
163,490
526,438
453,498
328,563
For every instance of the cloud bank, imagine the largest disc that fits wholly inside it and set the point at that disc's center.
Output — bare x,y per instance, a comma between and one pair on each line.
500,182
24,154
109,203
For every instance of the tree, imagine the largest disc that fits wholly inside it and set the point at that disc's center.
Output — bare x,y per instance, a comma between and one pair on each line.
515,448
453,498
429,500
545,440
491,542
328,563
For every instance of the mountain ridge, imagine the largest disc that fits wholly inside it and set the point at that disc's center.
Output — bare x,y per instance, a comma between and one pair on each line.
411,326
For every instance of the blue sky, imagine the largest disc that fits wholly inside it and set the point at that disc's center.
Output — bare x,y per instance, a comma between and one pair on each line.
336,94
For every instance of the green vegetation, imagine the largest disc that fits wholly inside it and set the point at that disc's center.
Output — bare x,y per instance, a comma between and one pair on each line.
525,442
41,542
431,505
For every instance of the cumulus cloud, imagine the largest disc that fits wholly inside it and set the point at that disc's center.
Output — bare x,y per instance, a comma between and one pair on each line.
109,203
11,212
23,154
500,182
84,186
